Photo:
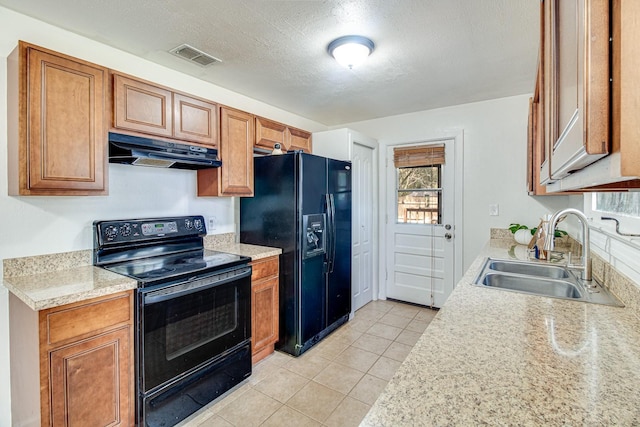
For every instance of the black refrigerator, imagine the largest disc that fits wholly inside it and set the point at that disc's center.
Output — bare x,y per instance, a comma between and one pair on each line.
302,204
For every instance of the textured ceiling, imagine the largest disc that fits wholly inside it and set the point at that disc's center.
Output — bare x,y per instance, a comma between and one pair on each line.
429,53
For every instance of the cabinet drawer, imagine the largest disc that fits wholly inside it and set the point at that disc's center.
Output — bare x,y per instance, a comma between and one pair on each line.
264,268
76,321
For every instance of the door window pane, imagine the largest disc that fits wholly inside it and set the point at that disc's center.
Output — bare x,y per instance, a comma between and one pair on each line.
419,195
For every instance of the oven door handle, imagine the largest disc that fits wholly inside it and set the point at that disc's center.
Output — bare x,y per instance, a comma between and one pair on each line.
195,285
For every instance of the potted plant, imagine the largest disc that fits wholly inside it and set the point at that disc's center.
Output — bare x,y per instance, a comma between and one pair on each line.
521,233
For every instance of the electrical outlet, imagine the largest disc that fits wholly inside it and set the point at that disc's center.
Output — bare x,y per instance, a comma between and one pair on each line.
212,221
494,210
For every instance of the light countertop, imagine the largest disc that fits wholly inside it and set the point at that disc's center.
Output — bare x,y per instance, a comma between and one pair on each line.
56,288
492,357
53,280
252,251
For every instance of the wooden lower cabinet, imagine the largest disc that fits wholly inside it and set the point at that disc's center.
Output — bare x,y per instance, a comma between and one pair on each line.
264,307
86,363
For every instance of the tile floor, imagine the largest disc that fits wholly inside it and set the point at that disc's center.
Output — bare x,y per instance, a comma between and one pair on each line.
332,384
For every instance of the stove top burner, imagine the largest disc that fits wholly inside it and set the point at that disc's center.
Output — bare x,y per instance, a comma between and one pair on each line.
193,263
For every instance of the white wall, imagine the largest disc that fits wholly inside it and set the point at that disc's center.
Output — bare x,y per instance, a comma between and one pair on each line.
495,145
40,225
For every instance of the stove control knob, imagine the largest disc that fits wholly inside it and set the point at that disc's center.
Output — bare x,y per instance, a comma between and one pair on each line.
125,230
188,223
198,224
111,232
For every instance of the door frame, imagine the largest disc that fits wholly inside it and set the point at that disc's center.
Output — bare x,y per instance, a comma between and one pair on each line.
385,193
365,141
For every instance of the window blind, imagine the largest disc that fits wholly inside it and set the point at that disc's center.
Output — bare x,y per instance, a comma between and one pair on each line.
420,155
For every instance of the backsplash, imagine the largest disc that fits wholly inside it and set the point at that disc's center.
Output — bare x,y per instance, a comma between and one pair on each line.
39,264
624,288
213,240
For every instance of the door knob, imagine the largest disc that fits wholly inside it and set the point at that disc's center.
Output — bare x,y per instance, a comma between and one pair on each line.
447,227
448,236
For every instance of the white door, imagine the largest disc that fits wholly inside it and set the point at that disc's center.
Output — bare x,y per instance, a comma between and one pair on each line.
420,229
363,227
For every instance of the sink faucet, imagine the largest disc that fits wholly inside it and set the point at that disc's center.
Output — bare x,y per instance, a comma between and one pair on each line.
586,254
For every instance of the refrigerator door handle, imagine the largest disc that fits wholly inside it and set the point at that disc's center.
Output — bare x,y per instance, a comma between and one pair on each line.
329,231
332,224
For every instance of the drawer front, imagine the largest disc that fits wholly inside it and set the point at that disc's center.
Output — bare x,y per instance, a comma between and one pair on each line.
265,268
80,320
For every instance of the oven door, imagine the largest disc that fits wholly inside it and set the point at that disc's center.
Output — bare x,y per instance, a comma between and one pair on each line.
185,325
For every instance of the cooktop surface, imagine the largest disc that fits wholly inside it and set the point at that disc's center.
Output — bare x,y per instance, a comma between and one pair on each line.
187,264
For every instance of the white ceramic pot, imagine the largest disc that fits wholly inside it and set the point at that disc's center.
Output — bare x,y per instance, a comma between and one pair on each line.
523,236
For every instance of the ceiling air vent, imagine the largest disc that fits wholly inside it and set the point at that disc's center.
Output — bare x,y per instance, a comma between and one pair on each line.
192,54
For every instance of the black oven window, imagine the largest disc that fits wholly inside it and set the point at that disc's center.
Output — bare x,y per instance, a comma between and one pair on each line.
199,320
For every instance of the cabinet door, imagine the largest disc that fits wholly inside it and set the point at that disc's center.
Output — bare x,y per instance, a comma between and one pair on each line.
91,382
63,134
298,139
142,107
264,307
235,176
269,133
264,317
579,83
195,120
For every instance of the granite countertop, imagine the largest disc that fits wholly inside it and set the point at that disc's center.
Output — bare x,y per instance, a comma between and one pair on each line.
252,251
492,357
55,288
47,281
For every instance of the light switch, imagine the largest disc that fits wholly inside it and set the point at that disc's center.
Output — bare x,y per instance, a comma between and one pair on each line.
494,210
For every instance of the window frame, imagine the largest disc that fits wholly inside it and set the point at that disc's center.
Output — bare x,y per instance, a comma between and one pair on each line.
437,190
628,224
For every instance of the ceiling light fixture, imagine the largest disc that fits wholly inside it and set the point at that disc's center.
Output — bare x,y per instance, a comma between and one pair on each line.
350,51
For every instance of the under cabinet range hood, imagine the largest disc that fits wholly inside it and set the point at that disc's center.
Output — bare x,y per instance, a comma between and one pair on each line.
139,151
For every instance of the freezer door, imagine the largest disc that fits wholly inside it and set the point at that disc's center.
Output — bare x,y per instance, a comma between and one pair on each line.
270,218
313,296
339,276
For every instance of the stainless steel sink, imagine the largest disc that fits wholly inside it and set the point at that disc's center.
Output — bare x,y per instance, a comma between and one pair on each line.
530,285
536,278
529,269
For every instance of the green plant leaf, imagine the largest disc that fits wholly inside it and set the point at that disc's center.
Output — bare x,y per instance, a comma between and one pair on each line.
515,227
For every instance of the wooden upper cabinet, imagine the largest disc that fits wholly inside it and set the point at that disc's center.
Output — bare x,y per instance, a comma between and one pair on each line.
537,147
235,176
620,169
269,133
577,83
298,139
195,120
62,124
150,109
142,107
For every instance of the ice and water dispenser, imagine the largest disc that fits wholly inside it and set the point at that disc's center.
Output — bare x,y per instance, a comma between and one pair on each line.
314,241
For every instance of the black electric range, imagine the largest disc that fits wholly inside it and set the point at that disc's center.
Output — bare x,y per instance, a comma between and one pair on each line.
154,251
193,313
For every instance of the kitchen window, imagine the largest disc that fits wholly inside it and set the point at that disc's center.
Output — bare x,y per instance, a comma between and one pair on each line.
621,203
419,184
624,206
